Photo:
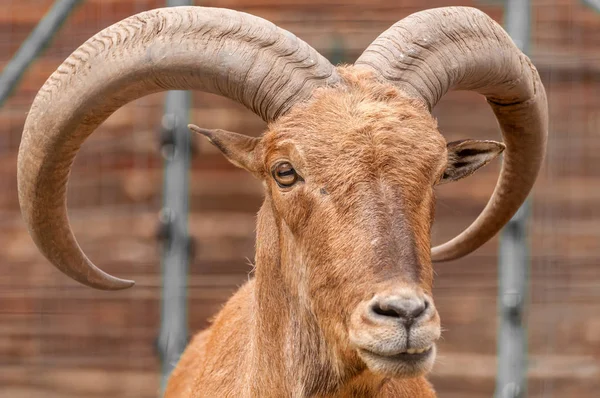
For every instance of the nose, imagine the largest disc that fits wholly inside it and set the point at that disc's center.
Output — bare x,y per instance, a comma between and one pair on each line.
406,309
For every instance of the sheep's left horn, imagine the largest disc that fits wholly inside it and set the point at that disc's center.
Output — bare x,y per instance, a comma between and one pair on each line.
461,48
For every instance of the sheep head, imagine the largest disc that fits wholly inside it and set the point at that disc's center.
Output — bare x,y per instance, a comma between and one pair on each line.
354,209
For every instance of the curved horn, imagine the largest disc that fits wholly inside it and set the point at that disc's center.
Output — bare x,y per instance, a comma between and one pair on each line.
461,48
220,51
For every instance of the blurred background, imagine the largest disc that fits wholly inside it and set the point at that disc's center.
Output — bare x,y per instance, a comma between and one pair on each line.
61,339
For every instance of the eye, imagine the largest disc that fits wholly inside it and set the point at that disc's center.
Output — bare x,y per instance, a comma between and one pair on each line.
285,175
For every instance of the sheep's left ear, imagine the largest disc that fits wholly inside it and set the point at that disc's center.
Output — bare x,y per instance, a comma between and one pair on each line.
466,156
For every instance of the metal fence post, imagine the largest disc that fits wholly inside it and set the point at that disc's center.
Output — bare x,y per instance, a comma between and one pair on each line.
33,46
173,229
595,4
514,259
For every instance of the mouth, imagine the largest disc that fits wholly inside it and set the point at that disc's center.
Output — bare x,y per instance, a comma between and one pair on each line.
409,363
410,355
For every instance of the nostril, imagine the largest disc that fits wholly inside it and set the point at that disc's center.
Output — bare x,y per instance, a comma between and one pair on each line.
419,310
390,311
399,307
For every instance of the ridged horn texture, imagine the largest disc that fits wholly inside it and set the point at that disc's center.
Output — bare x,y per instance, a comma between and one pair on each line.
220,51
461,48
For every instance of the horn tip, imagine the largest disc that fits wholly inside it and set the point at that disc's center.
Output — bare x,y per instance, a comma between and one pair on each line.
114,284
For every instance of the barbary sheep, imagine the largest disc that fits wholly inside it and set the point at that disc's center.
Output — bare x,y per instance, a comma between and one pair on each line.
341,301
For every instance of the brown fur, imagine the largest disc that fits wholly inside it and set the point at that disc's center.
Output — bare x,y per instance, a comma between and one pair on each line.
357,226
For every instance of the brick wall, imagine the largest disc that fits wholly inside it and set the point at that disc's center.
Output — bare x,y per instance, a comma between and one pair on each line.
60,339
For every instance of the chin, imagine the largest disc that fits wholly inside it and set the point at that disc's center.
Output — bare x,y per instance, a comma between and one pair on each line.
403,365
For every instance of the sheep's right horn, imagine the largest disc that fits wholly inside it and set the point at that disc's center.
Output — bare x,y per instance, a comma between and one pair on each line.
230,53
434,51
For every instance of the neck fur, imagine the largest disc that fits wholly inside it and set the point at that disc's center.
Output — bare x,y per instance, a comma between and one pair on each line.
289,347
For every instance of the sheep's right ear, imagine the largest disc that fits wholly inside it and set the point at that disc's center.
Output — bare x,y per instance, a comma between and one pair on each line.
238,149
467,156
